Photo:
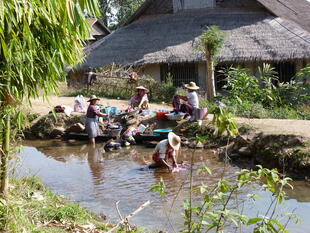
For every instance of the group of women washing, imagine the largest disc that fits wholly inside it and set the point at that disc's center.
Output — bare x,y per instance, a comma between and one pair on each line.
166,149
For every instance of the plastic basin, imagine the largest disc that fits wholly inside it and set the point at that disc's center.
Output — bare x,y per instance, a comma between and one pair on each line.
161,115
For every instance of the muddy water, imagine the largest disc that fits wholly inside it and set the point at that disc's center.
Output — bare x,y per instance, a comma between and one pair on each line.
97,180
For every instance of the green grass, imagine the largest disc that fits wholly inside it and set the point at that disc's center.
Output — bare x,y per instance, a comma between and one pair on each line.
24,212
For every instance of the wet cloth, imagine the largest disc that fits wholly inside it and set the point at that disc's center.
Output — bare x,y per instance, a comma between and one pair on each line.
136,100
162,151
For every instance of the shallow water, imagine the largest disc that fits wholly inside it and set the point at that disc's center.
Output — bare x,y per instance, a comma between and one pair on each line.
98,180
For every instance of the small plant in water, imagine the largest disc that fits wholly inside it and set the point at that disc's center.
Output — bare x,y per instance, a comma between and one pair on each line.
159,187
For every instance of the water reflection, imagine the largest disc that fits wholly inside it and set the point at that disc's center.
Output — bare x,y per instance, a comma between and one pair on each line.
96,164
97,180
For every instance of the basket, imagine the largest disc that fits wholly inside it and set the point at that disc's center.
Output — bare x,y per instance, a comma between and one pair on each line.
175,117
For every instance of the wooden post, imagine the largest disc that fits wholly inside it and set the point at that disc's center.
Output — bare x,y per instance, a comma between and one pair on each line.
4,154
209,75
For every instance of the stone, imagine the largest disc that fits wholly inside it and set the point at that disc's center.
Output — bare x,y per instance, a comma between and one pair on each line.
76,128
241,140
184,143
194,145
244,151
57,131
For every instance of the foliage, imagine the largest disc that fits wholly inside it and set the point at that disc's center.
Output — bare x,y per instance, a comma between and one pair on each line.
217,210
26,212
159,187
115,13
167,90
223,121
264,96
214,40
37,39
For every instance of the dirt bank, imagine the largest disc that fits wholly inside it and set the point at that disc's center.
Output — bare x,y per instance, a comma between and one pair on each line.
267,126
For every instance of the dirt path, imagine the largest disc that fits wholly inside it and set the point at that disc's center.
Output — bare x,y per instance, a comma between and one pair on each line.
267,126
275,126
41,107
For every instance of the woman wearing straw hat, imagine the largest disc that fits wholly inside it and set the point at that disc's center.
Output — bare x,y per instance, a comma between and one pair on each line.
191,98
92,115
165,150
140,100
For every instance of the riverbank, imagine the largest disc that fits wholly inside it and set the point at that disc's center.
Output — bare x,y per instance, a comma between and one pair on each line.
282,144
33,208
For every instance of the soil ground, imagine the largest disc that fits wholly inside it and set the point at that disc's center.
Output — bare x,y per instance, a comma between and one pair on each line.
267,126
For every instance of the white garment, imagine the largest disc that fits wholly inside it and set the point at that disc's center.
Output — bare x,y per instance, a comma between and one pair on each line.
161,148
192,99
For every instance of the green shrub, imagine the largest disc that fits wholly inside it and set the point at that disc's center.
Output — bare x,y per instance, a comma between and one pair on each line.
264,96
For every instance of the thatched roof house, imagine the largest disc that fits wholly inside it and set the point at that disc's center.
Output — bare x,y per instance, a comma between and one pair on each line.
161,37
99,30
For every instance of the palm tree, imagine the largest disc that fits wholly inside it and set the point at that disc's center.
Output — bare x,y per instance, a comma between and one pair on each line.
211,41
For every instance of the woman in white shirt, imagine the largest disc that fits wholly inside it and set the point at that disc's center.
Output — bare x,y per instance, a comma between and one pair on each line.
191,98
165,150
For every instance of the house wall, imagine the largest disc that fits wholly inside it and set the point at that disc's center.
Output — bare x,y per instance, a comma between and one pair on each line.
154,70
151,70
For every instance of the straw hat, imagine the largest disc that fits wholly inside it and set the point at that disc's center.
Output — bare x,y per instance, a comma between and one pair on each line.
191,86
142,88
174,141
93,97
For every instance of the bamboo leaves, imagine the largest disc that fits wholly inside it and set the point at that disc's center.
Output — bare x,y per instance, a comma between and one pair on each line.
37,39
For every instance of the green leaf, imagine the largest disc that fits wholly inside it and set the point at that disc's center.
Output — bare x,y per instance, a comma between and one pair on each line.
253,221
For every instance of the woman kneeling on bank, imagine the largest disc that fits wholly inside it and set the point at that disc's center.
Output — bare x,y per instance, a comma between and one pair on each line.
92,115
165,150
140,100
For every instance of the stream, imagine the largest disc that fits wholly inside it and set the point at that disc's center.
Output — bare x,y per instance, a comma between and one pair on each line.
97,180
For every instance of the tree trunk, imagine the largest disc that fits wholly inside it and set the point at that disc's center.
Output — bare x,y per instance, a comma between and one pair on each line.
4,155
210,83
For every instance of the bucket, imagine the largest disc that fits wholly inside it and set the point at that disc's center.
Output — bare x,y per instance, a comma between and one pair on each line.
113,111
115,132
107,111
200,113
161,114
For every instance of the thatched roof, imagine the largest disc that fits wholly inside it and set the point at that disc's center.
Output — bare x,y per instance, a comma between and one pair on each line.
297,11
98,28
171,38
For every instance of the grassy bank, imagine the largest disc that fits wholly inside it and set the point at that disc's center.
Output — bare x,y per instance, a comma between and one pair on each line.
33,208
